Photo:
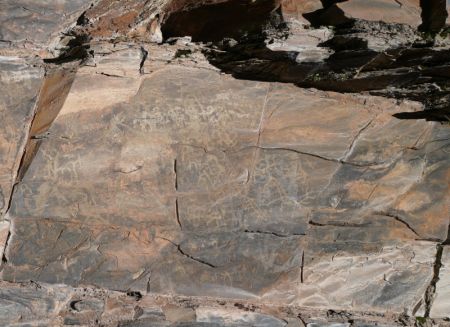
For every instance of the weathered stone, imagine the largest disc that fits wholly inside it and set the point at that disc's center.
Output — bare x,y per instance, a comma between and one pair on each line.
389,11
30,303
294,9
20,83
176,314
239,193
4,235
37,24
441,305
226,317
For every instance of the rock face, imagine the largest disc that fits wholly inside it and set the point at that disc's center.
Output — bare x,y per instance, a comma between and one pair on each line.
20,86
37,25
224,163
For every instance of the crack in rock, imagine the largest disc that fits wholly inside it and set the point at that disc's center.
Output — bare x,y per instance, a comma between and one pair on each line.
400,220
187,255
430,292
274,233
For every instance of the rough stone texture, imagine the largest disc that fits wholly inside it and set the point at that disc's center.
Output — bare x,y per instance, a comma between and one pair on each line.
389,11
233,189
33,304
202,181
20,84
37,24
441,305
294,9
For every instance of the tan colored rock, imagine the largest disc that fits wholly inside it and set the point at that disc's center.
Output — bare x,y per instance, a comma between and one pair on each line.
35,25
294,9
20,84
176,314
196,183
125,18
389,11
406,12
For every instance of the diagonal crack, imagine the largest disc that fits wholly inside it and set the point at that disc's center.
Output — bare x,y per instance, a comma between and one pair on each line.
46,108
399,3
187,255
341,161
4,257
194,258
19,168
400,220
355,139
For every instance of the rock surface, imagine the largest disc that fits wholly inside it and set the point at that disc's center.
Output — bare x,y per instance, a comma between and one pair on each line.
159,170
441,306
20,84
38,26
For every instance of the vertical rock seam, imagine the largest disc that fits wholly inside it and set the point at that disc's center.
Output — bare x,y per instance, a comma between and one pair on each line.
431,290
